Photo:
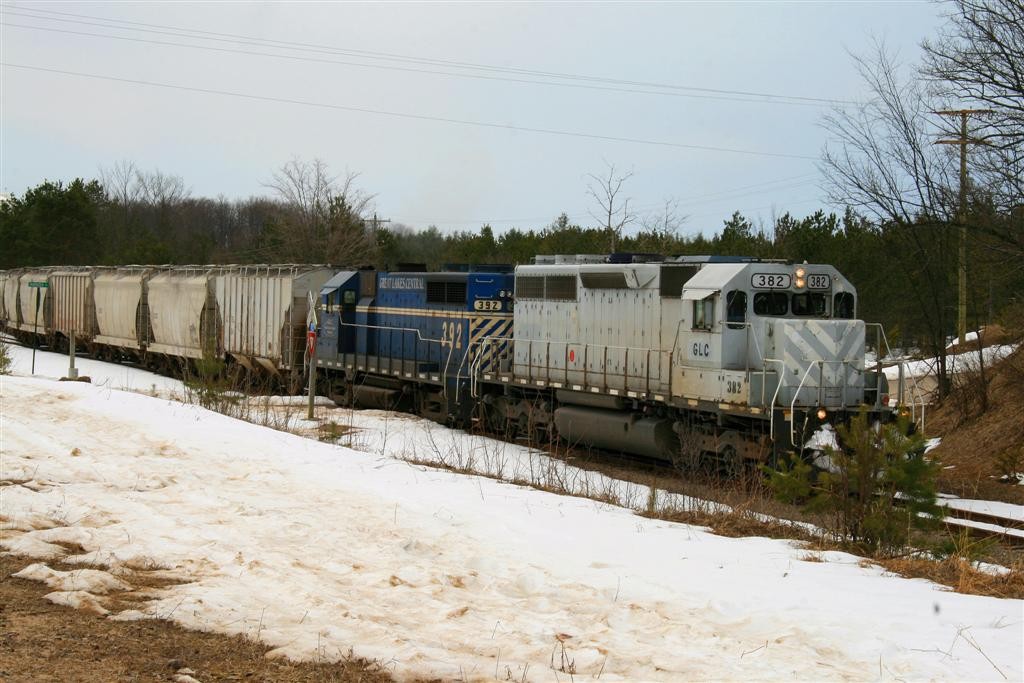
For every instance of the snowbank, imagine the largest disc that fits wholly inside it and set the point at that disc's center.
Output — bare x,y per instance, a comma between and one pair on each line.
316,548
110,375
960,362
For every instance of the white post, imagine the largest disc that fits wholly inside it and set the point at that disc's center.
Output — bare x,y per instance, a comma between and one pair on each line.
72,370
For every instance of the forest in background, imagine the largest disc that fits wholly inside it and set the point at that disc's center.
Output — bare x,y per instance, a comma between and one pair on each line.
897,241
156,222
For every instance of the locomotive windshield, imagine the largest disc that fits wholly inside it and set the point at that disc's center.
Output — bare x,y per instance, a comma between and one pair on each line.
771,303
810,305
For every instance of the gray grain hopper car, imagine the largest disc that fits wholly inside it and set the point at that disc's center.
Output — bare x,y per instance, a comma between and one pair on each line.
263,314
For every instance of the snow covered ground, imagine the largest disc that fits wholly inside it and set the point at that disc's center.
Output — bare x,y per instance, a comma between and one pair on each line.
959,362
316,548
102,374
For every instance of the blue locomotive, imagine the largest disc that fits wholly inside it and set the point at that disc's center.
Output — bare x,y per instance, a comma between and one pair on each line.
414,340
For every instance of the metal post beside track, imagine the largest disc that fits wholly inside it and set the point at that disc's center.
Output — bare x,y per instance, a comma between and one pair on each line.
72,370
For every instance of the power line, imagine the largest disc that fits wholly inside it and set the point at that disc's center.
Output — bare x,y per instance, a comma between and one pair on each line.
317,60
406,115
199,34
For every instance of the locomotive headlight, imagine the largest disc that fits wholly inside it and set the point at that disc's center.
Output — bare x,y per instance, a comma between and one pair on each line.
800,272
822,413
800,282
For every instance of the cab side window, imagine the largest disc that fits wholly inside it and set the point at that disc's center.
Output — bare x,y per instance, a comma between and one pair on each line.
736,308
704,314
843,306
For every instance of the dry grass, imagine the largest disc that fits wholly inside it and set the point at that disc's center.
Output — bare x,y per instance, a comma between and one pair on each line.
961,575
974,452
41,641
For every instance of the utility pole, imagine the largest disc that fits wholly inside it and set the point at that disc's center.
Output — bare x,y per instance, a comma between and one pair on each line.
378,221
963,140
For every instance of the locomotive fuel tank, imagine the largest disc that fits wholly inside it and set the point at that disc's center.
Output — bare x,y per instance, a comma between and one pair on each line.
617,431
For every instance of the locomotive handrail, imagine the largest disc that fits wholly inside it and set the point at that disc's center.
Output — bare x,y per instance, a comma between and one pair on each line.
478,358
603,349
447,364
414,330
775,396
420,337
846,362
916,392
796,395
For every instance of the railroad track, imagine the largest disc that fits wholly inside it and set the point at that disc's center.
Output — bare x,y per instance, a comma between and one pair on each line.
1006,530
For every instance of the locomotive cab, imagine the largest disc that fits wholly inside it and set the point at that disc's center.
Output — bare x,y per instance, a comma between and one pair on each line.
772,338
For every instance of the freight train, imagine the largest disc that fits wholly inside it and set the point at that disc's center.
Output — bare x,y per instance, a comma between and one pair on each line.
731,360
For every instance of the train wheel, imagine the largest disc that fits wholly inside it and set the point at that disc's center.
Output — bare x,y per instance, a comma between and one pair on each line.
730,463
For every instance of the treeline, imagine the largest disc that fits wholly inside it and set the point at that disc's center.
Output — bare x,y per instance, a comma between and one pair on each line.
903,272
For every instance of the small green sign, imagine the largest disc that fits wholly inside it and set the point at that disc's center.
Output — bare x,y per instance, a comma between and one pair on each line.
44,285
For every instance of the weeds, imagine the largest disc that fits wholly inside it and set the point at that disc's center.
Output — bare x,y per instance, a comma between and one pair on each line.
961,575
6,362
878,489
1010,464
852,515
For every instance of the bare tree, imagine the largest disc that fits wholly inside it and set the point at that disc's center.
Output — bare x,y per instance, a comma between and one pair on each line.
161,189
883,161
665,223
978,61
121,182
612,211
325,215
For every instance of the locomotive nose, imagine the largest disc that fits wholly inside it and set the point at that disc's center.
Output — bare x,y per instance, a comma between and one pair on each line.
823,359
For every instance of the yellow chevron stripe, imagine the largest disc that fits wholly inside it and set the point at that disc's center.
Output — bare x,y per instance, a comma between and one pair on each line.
484,323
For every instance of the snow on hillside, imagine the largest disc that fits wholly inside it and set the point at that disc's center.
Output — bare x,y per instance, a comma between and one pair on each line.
316,548
959,362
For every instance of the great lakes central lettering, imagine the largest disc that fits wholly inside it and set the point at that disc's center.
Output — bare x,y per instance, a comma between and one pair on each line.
394,282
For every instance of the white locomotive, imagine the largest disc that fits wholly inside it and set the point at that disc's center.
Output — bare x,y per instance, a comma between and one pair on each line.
730,356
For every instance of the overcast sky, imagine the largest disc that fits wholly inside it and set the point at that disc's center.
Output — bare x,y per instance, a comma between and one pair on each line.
398,58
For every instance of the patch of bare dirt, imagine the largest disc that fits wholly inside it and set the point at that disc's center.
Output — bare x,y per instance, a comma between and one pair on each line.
979,446
40,641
